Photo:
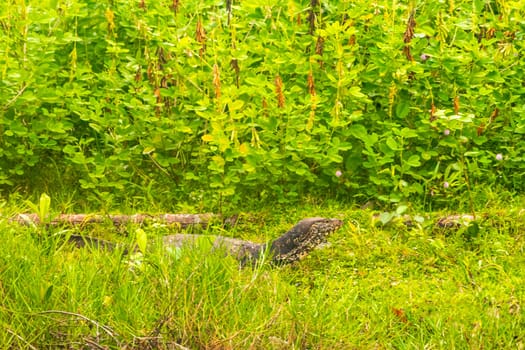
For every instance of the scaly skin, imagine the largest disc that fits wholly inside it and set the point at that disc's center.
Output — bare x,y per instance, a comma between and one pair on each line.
302,239
290,247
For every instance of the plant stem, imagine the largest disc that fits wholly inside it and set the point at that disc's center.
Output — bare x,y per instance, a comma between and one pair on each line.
467,181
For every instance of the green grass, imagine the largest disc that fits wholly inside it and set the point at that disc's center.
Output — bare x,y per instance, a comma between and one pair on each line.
374,287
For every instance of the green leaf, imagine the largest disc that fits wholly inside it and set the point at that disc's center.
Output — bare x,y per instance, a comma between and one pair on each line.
356,92
402,108
401,209
44,207
385,217
236,105
392,143
48,293
408,133
358,131
413,161
148,150
141,239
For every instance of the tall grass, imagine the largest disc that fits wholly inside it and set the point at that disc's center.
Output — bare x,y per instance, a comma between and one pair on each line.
374,287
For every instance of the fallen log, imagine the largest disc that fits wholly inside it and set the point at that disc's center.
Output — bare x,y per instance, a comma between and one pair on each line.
182,220
453,221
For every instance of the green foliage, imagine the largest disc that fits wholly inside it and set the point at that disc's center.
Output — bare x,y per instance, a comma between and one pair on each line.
42,209
218,101
142,240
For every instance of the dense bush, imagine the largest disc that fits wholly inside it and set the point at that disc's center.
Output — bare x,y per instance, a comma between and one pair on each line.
234,99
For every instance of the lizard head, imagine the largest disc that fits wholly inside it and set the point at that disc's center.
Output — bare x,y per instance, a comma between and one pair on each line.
302,238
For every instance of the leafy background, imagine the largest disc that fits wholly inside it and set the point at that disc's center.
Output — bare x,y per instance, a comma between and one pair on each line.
215,102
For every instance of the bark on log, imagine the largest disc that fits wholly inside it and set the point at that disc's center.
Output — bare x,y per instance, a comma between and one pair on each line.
185,220
453,221
182,220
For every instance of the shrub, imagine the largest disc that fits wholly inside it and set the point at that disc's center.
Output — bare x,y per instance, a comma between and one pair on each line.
229,100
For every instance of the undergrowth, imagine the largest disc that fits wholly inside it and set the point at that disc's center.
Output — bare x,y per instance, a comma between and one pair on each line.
375,286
